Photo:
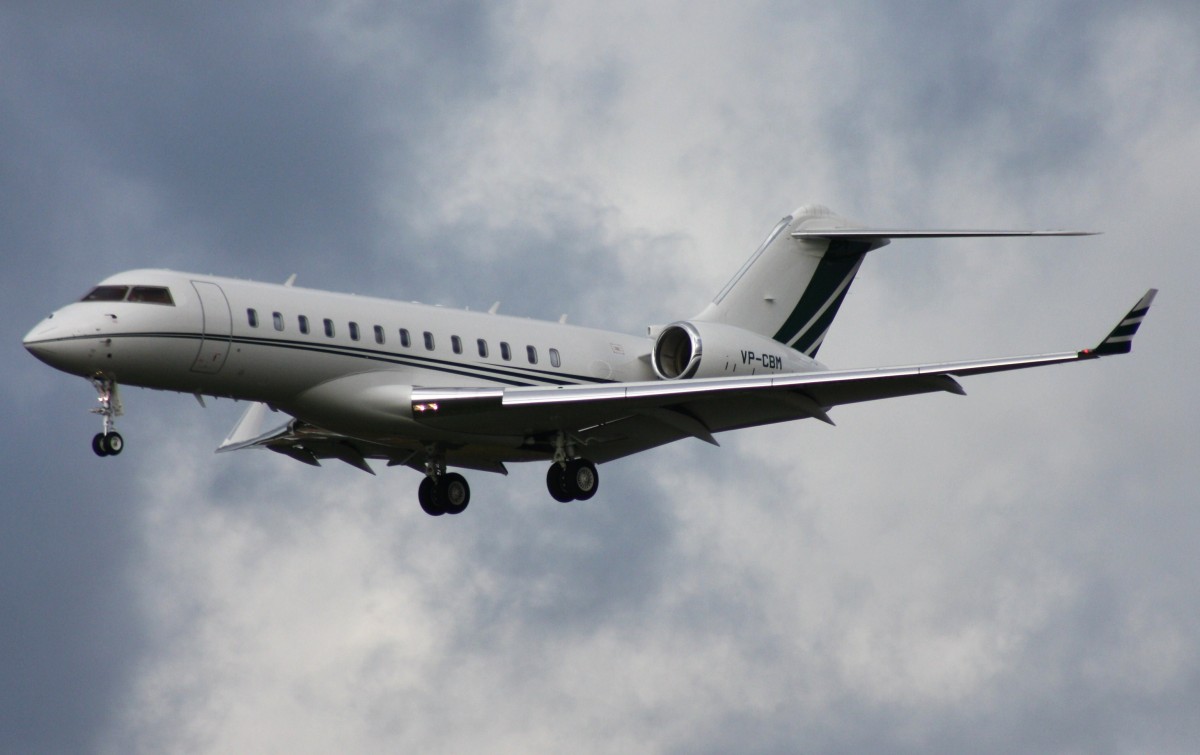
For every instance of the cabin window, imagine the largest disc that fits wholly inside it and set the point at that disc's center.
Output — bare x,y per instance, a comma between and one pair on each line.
304,324
329,327
429,340
555,359
151,295
405,338
378,334
353,331
505,351
482,344
531,354
456,344
106,293
278,320
252,317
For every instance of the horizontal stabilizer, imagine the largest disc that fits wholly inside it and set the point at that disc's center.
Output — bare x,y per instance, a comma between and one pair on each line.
865,234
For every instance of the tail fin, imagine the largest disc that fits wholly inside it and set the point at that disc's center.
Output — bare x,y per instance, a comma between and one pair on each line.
791,287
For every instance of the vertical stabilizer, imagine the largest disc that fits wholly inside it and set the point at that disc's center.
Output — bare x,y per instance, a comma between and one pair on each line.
791,288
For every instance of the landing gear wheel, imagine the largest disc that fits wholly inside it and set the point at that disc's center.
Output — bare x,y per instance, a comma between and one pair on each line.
581,479
556,483
108,444
114,443
428,497
453,493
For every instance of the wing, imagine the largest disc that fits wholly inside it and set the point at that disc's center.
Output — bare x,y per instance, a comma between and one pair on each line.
258,428
619,419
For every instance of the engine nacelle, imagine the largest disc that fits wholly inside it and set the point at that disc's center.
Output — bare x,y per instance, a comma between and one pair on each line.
692,349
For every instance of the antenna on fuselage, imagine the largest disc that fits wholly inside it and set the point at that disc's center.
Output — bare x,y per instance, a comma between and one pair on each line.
291,279
494,308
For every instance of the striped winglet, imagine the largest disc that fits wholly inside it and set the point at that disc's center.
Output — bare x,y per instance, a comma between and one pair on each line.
1120,340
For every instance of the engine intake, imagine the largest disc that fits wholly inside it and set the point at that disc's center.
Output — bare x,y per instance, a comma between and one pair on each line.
697,349
677,351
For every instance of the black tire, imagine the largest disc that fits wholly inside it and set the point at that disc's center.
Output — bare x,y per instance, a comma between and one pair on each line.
453,493
114,444
98,445
427,496
556,483
581,479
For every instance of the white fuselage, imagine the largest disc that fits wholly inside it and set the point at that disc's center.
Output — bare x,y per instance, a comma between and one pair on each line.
245,340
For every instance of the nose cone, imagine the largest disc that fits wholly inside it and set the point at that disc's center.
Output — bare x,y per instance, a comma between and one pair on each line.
50,342
35,339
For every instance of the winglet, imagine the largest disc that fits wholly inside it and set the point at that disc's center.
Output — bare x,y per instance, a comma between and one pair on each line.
1120,340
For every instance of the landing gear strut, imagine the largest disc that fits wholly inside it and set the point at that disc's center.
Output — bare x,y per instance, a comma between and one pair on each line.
442,492
109,442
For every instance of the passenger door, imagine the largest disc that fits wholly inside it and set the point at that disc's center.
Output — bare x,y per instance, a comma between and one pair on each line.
217,327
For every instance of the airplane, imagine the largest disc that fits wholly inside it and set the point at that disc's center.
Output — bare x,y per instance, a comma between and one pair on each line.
354,378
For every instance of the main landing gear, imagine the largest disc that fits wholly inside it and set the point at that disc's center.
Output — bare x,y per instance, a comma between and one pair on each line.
570,478
442,492
574,480
109,442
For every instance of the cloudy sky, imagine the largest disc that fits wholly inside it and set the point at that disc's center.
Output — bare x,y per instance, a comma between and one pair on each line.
1012,571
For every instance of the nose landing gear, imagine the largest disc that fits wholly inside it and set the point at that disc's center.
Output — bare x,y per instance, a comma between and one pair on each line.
109,442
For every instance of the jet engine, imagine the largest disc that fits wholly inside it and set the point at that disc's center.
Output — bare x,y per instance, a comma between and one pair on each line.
691,349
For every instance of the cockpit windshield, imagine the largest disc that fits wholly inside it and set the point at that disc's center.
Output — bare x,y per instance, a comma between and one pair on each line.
107,293
140,294
151,295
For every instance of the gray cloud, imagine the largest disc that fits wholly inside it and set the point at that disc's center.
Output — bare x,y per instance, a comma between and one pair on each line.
72,629
1008,571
